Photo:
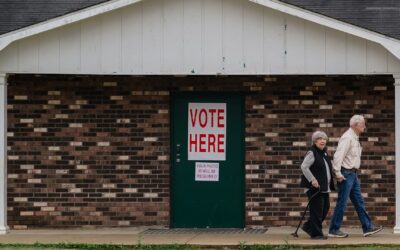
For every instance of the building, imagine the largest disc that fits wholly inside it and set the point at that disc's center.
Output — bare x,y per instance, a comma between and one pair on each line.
190,113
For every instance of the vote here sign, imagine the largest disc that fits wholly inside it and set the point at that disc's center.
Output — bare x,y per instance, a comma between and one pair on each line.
207,131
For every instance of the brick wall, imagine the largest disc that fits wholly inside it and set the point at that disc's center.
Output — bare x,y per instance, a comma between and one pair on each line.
94,151
280,121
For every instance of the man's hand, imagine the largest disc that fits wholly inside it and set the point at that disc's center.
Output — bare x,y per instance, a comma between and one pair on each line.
315,183
340,178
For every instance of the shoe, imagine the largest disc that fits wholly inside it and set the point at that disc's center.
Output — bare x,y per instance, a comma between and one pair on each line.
308,231
338,234
373,230
319,237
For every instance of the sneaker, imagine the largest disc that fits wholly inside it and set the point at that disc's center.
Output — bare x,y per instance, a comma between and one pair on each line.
319,237
338,234
373,230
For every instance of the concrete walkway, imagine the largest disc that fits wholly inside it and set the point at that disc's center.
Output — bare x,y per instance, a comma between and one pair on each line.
133,236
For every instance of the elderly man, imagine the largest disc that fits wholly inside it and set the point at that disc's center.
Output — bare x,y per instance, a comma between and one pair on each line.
346,164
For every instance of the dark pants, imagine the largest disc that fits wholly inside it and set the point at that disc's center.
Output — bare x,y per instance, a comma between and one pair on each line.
319,207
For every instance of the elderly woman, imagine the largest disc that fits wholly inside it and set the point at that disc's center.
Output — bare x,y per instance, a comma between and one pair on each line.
317,176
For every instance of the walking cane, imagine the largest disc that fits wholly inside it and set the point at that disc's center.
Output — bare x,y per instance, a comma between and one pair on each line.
304,214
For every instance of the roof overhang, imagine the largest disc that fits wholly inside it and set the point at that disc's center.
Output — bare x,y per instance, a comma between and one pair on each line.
54,23
391,44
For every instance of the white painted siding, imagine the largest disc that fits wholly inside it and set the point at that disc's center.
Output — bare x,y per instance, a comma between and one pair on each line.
232,36
315,51
70,49
90,46
193,34
132,39
377,59
253,43
212,37
153,34
173,36
356,54
274,42
335,51
49,52
9,58
295,45
196,37
28,56
111,54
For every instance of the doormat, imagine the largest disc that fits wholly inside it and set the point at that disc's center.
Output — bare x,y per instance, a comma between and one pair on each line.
204,231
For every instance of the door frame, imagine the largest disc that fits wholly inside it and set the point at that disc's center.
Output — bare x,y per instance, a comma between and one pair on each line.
173,95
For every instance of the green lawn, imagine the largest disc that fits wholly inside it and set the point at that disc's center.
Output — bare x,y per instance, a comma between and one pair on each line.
185,247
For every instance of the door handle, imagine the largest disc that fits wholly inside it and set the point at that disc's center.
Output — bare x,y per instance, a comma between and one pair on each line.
178,153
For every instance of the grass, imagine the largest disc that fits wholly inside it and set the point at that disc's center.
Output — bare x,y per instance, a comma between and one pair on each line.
240,246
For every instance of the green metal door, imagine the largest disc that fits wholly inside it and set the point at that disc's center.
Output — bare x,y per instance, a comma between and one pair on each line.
207,160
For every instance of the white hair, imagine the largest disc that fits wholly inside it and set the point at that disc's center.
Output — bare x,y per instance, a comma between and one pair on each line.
318,135
356,119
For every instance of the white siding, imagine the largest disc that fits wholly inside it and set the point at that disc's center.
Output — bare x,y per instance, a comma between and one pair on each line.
274,42
28,54
377,59
9,58
232,36
314,48
212,37
393,63
196,37
173,39
193,44
253,44
152,36
295,45
132,44
356,54
49,52
70,48
91,46
335,51
111,42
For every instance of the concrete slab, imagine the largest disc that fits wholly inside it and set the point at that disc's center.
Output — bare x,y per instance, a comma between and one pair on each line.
134,236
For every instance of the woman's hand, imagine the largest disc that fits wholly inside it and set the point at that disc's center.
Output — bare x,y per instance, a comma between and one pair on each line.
340,179
315,183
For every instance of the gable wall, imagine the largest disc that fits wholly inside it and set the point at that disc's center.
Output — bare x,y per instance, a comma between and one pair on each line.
196,37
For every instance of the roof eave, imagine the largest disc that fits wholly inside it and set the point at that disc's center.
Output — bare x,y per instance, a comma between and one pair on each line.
7,38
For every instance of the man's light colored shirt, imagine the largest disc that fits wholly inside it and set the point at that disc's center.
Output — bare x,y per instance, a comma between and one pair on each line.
348,153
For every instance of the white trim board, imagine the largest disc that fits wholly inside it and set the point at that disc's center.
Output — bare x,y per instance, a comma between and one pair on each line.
391,44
